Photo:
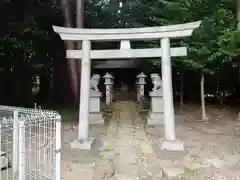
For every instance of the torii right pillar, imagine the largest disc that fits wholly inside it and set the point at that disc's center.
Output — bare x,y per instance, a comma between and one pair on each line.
170,142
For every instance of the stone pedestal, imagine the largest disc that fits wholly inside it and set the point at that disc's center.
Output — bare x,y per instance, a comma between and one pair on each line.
156,115
86,144
174,145
95,114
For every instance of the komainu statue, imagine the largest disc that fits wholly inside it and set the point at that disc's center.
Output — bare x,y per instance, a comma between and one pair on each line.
157,82
94,82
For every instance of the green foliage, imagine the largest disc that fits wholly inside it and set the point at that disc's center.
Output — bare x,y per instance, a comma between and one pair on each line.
211,45
205,47
27,37
230,43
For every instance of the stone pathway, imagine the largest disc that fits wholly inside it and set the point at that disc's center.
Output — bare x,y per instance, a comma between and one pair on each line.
126,153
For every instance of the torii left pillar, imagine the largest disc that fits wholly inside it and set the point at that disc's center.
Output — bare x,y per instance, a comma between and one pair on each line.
83,141
170,142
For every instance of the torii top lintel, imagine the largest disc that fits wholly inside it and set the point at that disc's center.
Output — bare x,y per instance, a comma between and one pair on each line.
172,31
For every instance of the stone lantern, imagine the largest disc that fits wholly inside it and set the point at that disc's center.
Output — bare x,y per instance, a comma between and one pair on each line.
140,85
109,86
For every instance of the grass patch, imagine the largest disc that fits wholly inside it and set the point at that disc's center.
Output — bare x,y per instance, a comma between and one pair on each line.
68,113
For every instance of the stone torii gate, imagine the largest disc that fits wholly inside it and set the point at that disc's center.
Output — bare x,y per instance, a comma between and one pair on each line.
164,33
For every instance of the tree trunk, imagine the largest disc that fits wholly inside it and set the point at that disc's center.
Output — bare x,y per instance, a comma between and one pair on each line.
204,117
80,14
79,24
238,14
238,28
72,64
181,91
55,2
61,81
22,87
60,75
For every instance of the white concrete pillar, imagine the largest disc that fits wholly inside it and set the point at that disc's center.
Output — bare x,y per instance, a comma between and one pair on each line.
58,142
22,152
83,126
170,142
15,141
169,123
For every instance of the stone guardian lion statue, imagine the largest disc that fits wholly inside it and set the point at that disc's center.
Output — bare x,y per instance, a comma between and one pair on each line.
157,82
94,82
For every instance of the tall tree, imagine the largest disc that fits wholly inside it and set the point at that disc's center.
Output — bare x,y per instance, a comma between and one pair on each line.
79,24
238,14
72,64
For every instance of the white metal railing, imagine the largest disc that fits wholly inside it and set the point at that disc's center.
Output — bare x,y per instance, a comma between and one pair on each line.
30,142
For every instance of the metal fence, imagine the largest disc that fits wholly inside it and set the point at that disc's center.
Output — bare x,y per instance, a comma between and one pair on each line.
30,142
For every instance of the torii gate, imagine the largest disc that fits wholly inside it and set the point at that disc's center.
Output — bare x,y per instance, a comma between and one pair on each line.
164,33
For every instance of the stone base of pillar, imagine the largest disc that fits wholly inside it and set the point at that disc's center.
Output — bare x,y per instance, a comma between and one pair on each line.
175,145
95,114
94,105
96,118
155,118
83,144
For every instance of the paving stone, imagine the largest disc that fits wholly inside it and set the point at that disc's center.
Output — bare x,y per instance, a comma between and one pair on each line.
155,170
231,159
124,177
146,148
71,171
173,171
105,169
225,159
139,126
228,172
219,177
194,162
107,154
215,130
143,173
123,167
215,161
